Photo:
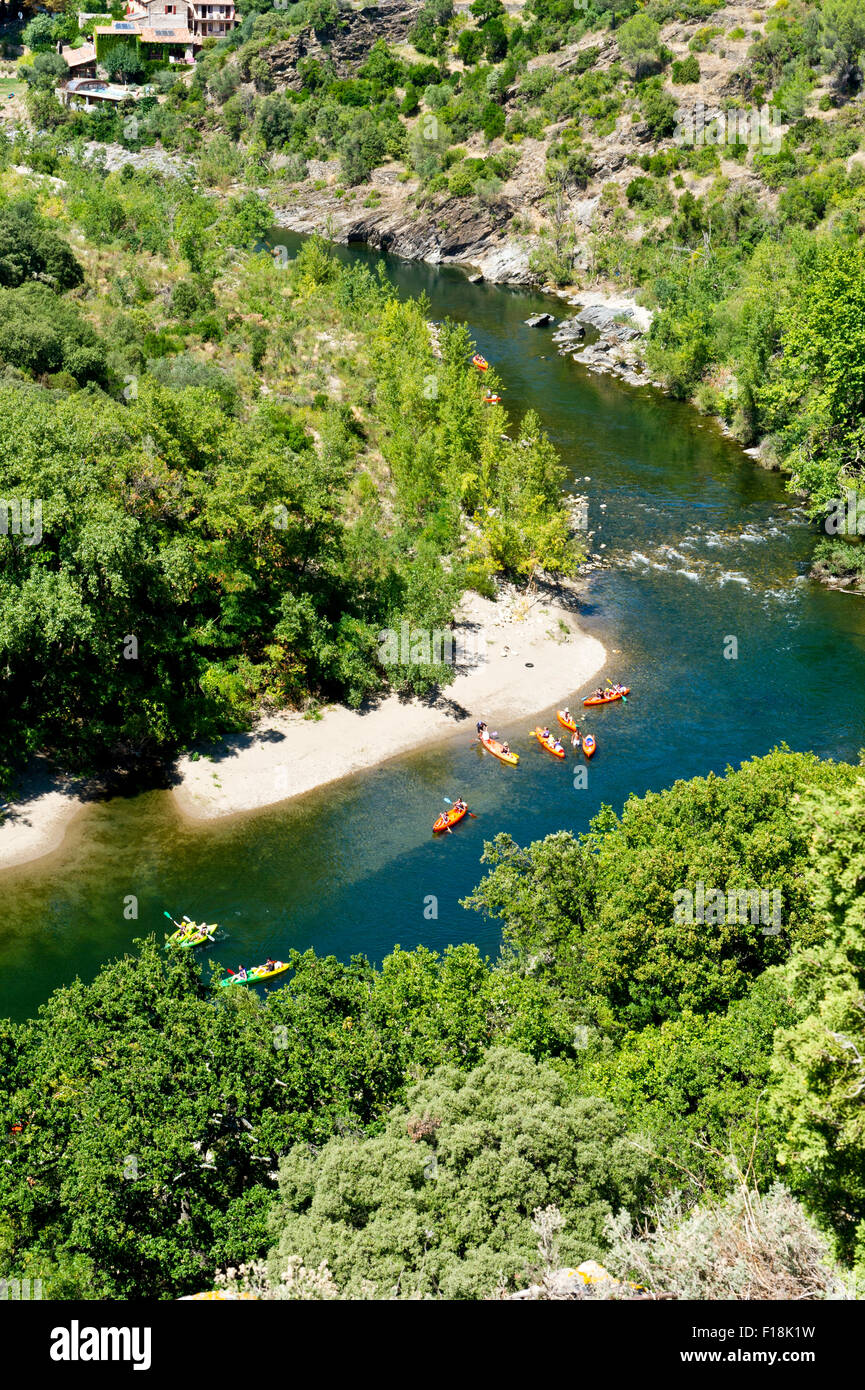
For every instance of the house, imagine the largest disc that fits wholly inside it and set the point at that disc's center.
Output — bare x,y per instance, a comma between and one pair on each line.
81,62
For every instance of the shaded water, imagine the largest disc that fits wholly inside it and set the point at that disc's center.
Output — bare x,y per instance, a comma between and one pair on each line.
703,545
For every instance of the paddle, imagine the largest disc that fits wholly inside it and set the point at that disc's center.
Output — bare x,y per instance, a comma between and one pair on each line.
450,803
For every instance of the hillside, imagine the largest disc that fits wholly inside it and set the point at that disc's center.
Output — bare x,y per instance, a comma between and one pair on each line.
706,158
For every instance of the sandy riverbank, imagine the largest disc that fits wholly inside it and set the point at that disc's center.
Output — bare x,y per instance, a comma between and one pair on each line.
535,657
36,823
532,655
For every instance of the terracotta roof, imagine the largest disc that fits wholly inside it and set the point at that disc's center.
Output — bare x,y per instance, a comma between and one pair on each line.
76,57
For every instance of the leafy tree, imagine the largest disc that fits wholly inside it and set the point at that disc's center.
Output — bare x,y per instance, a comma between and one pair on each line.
819,1063
442,1202
123,63
30,249
815,392
597,914
639,43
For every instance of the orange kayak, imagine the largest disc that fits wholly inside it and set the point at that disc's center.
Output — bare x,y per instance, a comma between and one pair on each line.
549,744
589,746
608,699
566,723
448,818
492,400
480,362
493,746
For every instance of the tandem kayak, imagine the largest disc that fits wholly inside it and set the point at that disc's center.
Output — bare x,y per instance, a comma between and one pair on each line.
205,936
183,936
566,723
449,818
257,975
589,745
480,362
608,699
549,744
493,746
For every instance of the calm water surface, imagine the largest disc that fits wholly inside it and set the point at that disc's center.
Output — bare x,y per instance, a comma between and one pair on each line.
703,546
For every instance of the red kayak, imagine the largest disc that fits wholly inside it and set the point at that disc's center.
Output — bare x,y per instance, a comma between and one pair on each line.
589,746
480,362
449,818
608,699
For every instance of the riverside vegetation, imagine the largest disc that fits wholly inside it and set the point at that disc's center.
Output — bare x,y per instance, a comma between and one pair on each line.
624,1085
616,142
242,482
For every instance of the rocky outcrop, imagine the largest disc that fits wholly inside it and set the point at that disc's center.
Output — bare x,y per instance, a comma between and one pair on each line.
346,46
460,230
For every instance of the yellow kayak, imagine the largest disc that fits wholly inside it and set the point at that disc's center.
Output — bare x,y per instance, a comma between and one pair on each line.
190,929
257,975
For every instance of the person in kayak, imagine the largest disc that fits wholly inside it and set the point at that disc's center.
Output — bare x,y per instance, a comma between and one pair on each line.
482,728
241,972
460,805
567,716
557,747
506,748
545,733
269,963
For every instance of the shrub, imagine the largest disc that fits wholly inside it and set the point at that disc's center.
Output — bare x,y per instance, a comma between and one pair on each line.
442,1202
688,70
751,1247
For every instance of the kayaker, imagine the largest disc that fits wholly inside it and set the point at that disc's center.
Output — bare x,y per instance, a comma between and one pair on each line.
567,716
482,728
545,733
269,963
459,804
557,747
506,748
240,973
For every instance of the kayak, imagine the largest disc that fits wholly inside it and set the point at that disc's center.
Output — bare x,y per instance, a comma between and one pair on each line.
608,699
188,943
566,723
448,818
190,929
549,744
257,975
493,746
480,362
589,745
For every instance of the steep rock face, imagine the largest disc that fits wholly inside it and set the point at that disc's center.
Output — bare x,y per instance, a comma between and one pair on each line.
459,229
347,46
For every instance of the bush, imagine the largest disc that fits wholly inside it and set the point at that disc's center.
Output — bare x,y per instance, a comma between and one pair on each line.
441,1203
688,70
749,1247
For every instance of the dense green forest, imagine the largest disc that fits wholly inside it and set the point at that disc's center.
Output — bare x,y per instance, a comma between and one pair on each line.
406,1124
246,471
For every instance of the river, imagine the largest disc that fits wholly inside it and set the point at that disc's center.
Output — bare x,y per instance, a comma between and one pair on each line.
703,546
